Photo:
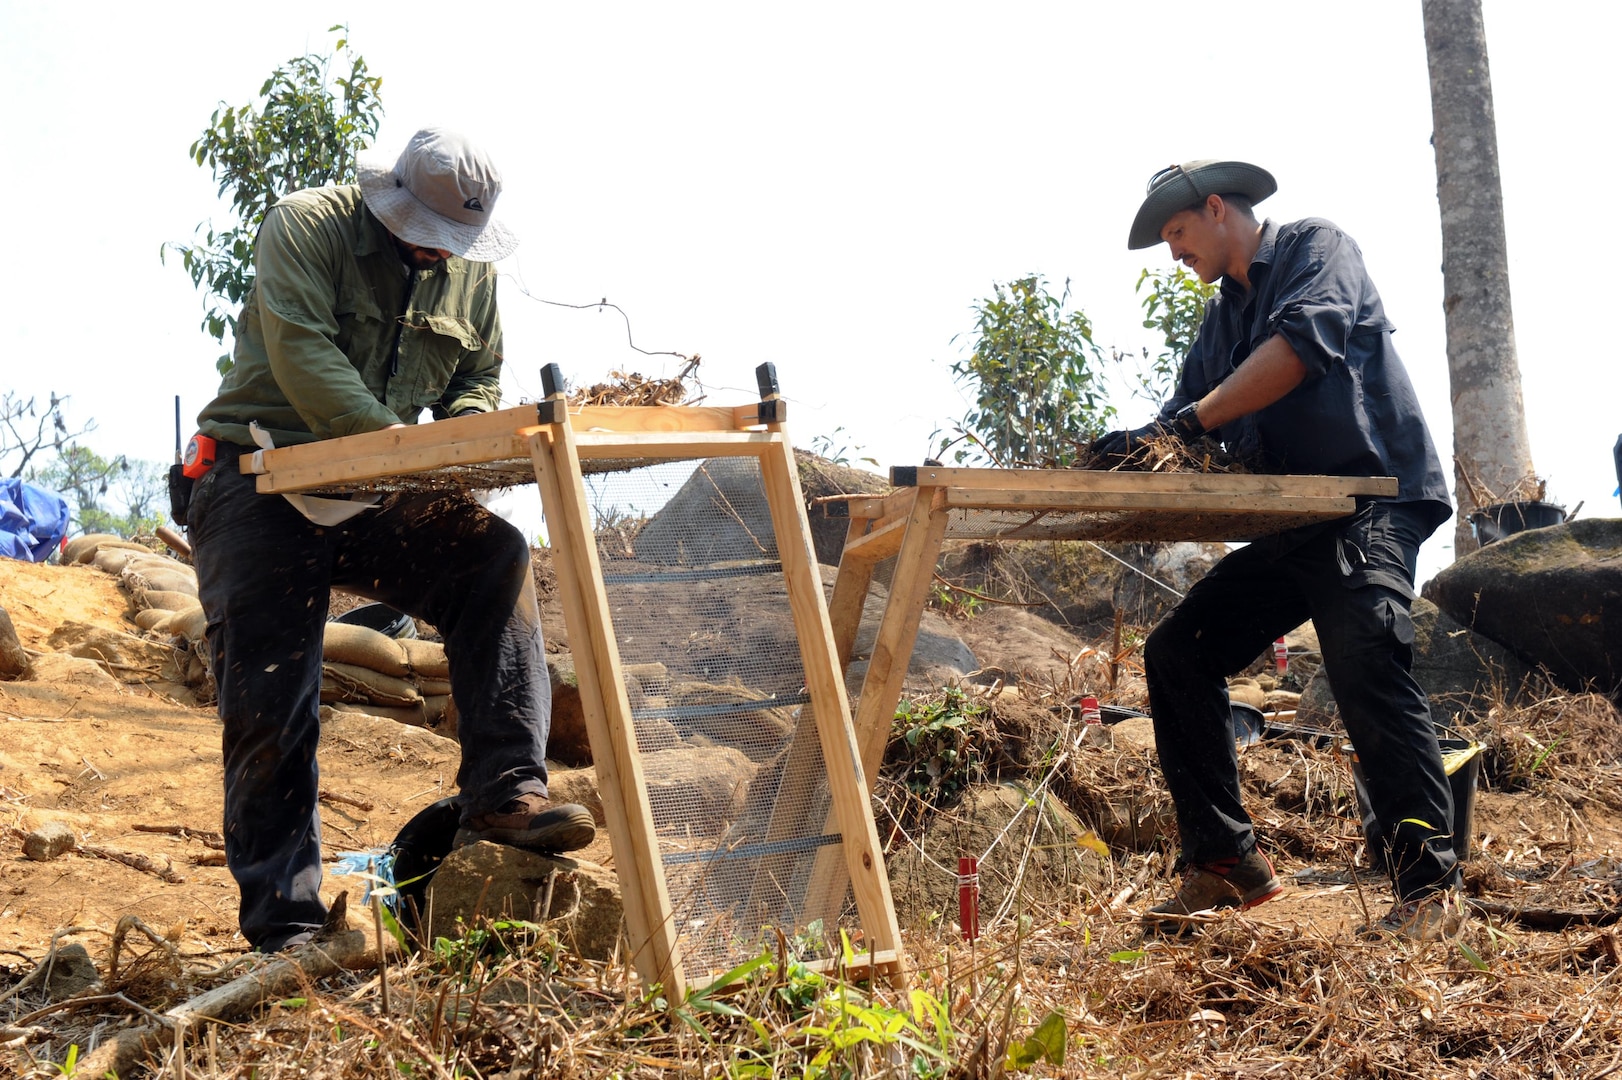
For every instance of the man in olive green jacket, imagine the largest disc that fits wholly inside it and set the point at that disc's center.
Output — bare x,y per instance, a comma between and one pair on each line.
370,303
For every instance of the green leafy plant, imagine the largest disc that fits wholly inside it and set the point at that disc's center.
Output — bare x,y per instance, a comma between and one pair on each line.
1174,305
954,603
1046,1043
838,448
941,740
314,114
493,939
1036,376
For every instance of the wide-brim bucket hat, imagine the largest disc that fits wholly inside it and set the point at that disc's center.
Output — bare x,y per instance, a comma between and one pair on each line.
441,193
1179,187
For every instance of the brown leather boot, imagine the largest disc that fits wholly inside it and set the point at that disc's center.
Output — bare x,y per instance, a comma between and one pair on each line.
1216,886
531,822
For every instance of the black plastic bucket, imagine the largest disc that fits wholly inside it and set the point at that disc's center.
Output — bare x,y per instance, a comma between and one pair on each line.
1499,520
382,618
1461,781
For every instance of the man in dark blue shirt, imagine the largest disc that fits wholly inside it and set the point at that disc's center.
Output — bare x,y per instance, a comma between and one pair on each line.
1294,371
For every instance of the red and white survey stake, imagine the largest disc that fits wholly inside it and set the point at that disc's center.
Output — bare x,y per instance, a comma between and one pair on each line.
968,896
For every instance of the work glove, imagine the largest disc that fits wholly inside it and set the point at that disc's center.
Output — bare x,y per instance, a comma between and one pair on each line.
1185,425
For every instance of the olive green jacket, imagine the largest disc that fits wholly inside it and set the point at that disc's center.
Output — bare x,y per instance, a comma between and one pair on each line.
338,337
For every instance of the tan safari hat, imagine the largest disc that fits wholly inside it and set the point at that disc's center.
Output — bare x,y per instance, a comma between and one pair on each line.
439,193
1178,187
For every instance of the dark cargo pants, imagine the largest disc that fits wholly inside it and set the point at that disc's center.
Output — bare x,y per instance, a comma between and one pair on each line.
264,573
1353,579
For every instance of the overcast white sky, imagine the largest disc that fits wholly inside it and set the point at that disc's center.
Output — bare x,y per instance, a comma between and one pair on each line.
830,187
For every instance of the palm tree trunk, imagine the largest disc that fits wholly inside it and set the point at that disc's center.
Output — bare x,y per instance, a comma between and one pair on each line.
1492,457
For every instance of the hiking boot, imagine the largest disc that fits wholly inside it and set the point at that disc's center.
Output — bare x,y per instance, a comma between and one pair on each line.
531,822
1435,916
1231,883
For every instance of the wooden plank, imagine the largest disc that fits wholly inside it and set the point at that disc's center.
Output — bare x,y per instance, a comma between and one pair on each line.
879,544
341,471
598,446
1211,483
842,759
1124,525
607,708
880,506
881,960
647,418
887,670
1185,502
849,596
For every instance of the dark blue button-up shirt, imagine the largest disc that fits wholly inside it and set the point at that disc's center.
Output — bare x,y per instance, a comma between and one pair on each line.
1356,413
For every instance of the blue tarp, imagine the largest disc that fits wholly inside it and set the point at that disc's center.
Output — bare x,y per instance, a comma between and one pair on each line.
33,521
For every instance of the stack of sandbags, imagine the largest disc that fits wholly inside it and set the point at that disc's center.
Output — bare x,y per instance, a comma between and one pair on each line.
162,589
407,680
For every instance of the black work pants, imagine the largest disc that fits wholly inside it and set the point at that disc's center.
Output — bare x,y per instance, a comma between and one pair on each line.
264,575
1343,577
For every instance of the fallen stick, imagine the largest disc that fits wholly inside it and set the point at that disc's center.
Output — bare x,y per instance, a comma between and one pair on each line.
1547,918
345,800
185,832
135,860
335,947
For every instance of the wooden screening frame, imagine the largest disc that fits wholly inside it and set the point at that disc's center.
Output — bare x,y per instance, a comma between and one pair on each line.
912,523
556,441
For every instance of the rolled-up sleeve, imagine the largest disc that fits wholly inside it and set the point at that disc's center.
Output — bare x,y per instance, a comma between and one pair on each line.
1317,293
295,288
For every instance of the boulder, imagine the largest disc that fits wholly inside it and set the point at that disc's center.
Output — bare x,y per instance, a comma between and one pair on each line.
701,788
65,670
1553,596
495,881
13,659
72,973
718,515
568,740
49,840
939,655
1055,869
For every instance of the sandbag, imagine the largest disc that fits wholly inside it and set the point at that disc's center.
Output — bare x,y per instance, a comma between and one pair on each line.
154,619
112,560
427,658
191,623
346,643
81,549
413,715
434,687
350,682
159,598
172,578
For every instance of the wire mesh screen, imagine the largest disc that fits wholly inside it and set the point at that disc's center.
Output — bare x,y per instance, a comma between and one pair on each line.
974,523
724,726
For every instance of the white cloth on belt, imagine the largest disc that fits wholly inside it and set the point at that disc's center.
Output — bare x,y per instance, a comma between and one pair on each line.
319,510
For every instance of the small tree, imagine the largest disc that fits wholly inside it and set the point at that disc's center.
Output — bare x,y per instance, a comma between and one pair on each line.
1174,305
113,495
1035,373
305,131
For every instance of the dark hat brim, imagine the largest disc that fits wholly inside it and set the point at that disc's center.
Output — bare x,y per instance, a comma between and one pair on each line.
1189,184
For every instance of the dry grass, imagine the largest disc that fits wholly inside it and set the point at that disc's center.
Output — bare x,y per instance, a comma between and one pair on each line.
1280,991
1165,454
